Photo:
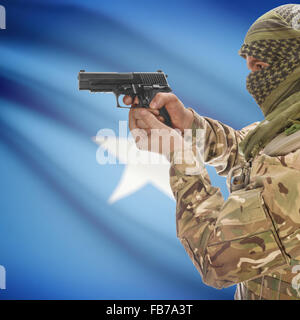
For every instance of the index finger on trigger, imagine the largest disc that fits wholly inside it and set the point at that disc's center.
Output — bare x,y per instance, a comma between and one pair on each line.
127,100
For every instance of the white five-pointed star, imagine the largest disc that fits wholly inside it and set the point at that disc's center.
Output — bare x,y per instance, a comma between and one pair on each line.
142,167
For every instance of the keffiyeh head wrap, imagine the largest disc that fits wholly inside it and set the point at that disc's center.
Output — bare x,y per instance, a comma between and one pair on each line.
274,38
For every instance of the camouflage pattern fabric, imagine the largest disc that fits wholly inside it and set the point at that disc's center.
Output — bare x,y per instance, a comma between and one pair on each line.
274,38
281,119
253,238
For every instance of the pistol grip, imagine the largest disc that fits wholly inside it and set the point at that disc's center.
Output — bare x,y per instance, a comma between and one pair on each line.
164,113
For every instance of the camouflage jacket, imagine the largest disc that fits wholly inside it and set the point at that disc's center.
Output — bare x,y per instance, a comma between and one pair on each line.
251,239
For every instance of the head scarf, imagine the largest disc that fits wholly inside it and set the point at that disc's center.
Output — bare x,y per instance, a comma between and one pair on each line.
274,38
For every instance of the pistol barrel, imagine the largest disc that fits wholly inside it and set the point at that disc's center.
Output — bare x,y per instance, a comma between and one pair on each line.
105,81
88,80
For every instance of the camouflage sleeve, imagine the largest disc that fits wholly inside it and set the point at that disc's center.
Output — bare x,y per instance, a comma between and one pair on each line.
235,240
228,241
221,142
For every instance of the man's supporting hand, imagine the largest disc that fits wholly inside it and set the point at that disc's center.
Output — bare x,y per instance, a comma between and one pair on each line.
151,134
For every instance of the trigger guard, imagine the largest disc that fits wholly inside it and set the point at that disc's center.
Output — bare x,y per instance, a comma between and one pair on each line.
117,95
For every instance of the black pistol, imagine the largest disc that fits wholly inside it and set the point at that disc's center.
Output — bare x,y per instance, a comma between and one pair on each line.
144,85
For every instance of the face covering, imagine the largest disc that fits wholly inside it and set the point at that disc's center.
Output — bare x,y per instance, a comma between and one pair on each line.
274,38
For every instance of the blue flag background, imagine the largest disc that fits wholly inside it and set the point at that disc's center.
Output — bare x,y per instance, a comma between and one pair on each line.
60,236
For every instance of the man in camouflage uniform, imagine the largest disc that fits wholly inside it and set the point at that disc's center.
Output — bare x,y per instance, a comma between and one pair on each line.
253,238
